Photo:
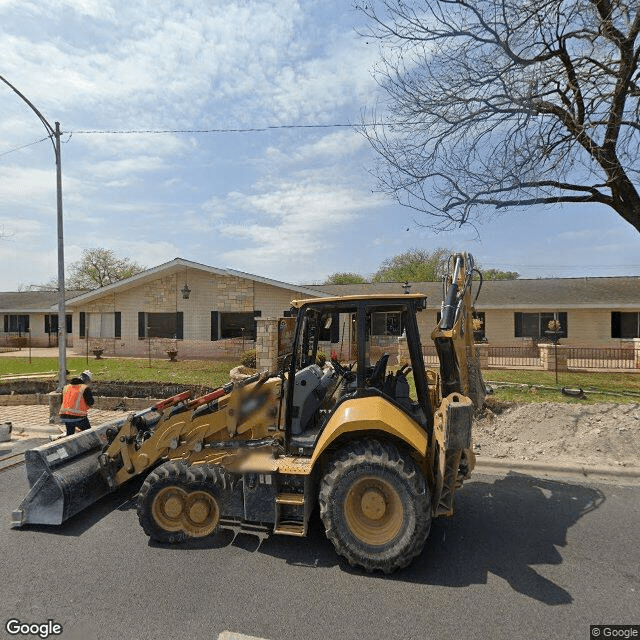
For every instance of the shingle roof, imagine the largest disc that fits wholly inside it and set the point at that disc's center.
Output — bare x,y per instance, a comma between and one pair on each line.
544,293
179,264
33,301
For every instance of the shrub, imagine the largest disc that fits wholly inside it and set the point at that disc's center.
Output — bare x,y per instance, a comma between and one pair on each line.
248,359
321,358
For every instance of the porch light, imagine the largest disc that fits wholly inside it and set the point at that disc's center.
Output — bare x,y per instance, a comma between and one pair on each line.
186,291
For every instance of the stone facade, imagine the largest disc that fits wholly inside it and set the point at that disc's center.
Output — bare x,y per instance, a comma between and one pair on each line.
212,294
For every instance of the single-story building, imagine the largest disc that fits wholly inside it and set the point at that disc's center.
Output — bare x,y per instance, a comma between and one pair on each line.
193,308
591,311
204,311
31,316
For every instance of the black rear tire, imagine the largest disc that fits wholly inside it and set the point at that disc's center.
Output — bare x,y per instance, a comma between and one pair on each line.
375,506
177,502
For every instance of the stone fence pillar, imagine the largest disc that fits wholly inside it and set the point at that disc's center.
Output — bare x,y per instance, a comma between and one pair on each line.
403,350
267,344
482,349
548,358
636,353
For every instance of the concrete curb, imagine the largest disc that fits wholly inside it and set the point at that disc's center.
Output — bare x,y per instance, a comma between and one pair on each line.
548,468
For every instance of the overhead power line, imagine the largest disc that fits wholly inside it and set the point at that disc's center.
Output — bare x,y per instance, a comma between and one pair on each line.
334,125
219,130
24,146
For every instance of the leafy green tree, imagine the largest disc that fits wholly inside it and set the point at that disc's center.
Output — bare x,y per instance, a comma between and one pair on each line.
496,274
415,265
343,277
419,265
98,268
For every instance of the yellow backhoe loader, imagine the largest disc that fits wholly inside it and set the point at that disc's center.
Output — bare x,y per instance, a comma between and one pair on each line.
352,437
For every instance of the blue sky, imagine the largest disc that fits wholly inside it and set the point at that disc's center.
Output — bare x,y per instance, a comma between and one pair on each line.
294,204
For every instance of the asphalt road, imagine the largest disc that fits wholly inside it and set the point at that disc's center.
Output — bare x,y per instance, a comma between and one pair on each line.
522,558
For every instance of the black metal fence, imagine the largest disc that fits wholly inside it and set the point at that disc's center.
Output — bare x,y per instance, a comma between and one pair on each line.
530,356
516,357
605,358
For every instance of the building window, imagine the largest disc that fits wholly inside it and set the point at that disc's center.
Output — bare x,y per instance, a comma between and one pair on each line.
51,323
160,325
239,324
100,325
534,325
625,324
386,323
104,325
16,324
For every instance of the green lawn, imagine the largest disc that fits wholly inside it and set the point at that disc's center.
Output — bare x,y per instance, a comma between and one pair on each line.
538,386
541,386
202,372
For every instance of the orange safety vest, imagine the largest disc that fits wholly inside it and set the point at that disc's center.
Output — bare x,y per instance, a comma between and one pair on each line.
73,402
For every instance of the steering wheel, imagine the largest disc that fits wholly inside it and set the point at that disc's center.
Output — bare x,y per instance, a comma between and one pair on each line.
378,374
343,372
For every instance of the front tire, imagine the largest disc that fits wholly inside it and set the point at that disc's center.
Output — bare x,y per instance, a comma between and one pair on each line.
177,502
375,506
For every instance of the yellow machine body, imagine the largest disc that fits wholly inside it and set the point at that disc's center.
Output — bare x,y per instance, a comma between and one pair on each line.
260,454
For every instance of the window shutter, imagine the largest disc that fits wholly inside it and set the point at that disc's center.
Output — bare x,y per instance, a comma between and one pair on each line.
47,323
83,320
141,325
180,325
6,324
214,325
518,324
118,325
335,328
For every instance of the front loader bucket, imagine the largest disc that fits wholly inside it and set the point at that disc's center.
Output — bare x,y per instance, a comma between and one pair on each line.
64,477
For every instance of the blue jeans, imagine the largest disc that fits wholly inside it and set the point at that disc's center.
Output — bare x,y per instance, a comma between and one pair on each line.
73,422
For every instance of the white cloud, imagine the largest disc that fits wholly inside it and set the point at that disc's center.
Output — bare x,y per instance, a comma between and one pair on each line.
293,222
126,166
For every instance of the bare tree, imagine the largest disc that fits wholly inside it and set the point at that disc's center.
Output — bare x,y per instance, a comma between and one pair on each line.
507,103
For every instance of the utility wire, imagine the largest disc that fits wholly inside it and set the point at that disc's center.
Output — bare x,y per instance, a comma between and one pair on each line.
221,130
166,131
24,146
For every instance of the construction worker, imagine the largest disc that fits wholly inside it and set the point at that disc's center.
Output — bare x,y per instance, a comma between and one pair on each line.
76,400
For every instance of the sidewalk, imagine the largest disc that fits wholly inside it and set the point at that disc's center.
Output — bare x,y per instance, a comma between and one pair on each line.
40,352
32,420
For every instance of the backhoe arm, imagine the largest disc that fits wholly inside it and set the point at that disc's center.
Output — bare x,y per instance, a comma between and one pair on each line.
453,336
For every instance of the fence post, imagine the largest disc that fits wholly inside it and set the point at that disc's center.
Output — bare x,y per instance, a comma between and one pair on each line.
483,355
636,353
403,350
267,344
553,357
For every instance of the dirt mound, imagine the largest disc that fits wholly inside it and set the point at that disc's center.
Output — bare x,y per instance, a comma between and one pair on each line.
598,434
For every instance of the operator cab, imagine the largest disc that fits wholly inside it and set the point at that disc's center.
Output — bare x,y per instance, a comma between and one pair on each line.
342,349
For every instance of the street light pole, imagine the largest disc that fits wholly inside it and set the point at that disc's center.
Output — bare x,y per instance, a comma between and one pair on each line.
54,135
62,311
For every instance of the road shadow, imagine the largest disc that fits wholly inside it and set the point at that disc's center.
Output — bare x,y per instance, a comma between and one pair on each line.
504,527
122,499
